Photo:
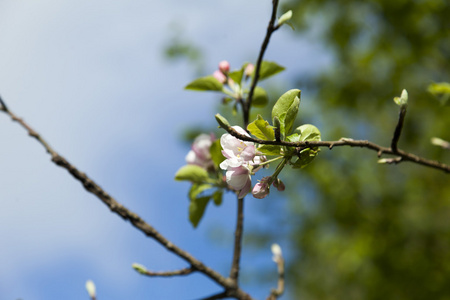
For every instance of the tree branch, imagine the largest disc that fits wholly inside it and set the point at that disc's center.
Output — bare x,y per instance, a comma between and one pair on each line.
181,272
398,128
405,156
234,272
128,215
246,105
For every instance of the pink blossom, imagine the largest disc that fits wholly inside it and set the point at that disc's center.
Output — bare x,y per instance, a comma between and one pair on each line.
220,76
199,154
239,179
249,69
241,157
262,188
224,66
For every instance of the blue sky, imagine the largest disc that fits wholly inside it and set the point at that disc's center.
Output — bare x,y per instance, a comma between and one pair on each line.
91,77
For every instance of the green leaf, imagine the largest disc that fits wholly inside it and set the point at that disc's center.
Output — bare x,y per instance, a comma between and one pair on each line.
197,209
269,68
260,98
238,74
192,173
270,149
208,83
216,153
286,109
441,91
261,129
285,17
305,157
294,138
197,189
308,132
217,197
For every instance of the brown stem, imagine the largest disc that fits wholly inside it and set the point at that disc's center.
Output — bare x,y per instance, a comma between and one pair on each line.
128,215
184,271
234,272
405,156
270,29
398,128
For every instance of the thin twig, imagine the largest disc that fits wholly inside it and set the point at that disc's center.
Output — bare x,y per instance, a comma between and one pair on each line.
398,128
270,29
276,293
405,156
128,215
222,295
181,272
3,105
234,272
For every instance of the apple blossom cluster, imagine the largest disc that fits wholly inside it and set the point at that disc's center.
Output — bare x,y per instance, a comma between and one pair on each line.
242,160
200,151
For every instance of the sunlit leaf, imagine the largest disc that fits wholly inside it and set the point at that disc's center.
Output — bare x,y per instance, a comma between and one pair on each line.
208,83
261,129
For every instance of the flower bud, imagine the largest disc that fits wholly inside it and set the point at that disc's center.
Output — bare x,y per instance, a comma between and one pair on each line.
277,254
261,189
279,185
224,66
90,287
220,76
249,69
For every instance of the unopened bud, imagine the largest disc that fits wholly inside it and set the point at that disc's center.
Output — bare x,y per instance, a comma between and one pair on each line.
403,99
224,66
249,69
279,185
90,287
220,76
277,253
140,268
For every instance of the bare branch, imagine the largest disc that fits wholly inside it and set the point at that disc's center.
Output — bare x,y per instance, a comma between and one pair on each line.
279,260
222,295
405,156
234,272
270,29
398,128
3,106
181,272
128,215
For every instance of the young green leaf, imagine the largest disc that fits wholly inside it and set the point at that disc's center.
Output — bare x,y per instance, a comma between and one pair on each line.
238,74
217,197
305,157
197,189
285,17
286,109
270,149
197,209
308,132
192,173
261,129
269,68
260,98
208,83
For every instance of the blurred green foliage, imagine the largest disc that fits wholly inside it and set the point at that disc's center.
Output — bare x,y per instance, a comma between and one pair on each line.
360,230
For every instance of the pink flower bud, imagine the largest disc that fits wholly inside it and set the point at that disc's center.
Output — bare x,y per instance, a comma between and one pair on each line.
279,185
220,76
261,189
224,66
249,69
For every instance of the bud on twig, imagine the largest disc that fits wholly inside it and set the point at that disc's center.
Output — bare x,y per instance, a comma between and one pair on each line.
90,287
